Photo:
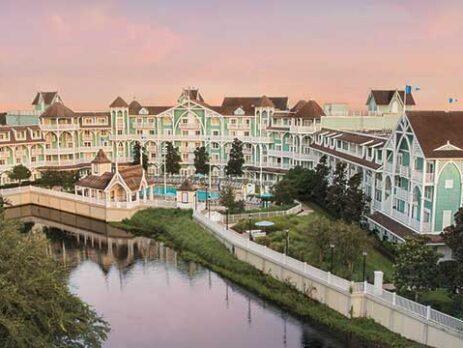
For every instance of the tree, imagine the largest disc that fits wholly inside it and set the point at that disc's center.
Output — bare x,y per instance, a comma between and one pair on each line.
36,307
173,159
65,179
50,178
228,200
415,268
201,160
20,173
235,163
453,237
350,241
137,149
355,200
320,229
283,192
320,185
335,194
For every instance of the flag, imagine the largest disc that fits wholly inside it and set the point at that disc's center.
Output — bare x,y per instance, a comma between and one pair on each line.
452,100
409,89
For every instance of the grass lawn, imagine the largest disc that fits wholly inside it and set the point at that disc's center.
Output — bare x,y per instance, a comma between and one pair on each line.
301,246
177,228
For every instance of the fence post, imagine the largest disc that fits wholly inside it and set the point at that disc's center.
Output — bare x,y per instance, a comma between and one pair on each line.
394,298
305,267
365,287
329,277
428,312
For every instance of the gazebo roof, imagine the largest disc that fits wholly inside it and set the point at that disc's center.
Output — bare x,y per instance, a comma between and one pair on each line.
187,185
101,157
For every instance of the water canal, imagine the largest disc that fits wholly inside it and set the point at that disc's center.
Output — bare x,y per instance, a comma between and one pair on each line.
153,298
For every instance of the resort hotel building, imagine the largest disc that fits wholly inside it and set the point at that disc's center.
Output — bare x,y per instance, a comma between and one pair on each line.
411,161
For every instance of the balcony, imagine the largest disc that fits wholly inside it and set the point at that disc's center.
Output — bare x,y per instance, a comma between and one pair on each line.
190,125
61,127
280,153
402,194
388,167
60,151
400,216
304,129
403,170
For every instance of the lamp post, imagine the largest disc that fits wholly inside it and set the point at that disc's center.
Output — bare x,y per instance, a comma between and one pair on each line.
287,242
210,166
364,265
164,154
332,258
249,226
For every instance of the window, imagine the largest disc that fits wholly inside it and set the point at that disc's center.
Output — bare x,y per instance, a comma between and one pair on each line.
215,133
428,193
446,218
449,184
426,216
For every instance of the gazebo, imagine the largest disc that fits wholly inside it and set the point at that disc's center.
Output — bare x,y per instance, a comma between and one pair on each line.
186,194
126,184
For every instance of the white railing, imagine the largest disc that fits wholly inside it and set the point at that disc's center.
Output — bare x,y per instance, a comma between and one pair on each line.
402,194
280,153
392,300
400,216
304,129
280,259
54,127
233,218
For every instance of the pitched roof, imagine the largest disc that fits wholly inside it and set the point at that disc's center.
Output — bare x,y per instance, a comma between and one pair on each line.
435,129
265,102
134,107
310,110
101,157
119,103
99,182
155,110
354,159
48,97
14,140
384,97
132,176
58,110
391,225
248,103
193,94
187,185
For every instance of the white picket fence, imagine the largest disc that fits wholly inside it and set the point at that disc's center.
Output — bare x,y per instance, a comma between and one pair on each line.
411,308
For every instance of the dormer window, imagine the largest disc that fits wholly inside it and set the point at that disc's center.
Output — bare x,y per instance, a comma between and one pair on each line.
239,111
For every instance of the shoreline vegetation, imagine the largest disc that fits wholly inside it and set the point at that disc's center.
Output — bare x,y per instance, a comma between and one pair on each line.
177,229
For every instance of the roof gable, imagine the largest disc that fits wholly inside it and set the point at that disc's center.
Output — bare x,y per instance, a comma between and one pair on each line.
119,103
438,132
58,110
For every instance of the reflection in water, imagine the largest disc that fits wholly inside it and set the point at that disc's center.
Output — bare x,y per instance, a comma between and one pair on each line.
153,298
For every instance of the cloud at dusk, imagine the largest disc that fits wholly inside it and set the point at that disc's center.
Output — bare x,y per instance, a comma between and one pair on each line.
92,51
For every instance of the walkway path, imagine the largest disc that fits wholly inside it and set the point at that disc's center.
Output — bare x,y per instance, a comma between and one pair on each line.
306,210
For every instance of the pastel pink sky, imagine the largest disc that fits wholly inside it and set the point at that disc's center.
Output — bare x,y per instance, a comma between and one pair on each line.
330,51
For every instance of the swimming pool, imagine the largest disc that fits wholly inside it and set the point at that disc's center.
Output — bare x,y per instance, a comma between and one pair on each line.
172,192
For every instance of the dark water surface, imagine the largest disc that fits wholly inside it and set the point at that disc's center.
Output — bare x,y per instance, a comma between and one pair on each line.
153,298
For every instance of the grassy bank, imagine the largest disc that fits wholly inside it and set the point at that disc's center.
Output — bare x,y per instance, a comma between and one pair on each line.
302,247
193,242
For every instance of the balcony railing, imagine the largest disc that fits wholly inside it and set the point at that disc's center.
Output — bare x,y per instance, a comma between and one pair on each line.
55,127
304,129
401,194
403,170
400,216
